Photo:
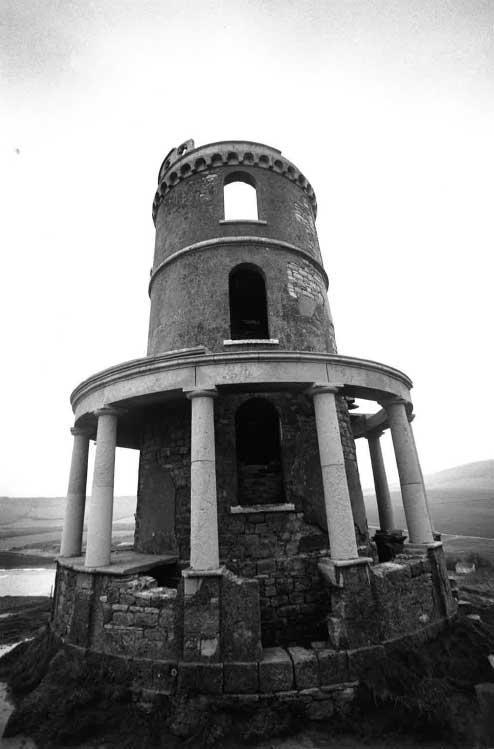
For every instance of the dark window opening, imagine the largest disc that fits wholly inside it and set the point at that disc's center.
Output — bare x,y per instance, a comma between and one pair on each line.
260,477
248,307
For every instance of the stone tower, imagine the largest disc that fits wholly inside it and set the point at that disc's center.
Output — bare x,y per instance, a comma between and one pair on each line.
251,534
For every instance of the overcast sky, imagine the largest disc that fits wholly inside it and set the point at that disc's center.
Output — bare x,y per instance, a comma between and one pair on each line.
386,106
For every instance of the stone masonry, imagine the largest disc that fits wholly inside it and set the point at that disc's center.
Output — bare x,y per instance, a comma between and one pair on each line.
252,578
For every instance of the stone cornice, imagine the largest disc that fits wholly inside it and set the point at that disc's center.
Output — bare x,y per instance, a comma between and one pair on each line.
186,161
362,372
215,242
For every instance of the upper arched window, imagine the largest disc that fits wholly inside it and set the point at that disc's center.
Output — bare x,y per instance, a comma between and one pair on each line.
248,306
240,197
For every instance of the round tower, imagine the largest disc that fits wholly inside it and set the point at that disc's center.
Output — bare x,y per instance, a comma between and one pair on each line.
209,269
235,285
250,530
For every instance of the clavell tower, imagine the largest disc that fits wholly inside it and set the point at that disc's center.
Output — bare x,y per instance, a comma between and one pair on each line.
251,540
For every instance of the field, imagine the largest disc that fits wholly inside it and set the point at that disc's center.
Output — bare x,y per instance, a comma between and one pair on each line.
461,500
35,523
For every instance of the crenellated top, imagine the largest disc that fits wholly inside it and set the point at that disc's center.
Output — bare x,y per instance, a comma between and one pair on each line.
185,161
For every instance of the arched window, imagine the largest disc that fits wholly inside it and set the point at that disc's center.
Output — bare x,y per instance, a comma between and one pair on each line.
240,197
257,430
248,307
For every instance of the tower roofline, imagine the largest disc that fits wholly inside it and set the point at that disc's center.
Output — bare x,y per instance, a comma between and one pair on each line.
186,160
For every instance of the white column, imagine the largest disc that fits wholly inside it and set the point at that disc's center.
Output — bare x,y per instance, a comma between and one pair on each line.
76,495
98,546
384,506
411,417
336,496
411,481
204,549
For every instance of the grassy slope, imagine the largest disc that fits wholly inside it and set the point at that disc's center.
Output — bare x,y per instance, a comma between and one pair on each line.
461,500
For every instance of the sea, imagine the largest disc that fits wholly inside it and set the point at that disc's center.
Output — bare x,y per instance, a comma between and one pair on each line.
27,582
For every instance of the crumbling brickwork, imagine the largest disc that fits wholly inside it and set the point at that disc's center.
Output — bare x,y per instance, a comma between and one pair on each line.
294,600
279,548
118,615
165,449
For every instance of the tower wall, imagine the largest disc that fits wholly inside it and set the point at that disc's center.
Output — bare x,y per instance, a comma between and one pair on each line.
196,249
190,300
280,549
193,211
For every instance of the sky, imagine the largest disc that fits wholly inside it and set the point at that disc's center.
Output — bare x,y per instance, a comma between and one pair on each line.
386,106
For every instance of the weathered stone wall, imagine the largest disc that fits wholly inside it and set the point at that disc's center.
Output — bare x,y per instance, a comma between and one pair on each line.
192,211
280,549
273,546
260,484
293,598
118,615
142,618
208,641
190,300
164,481
371,605
299,454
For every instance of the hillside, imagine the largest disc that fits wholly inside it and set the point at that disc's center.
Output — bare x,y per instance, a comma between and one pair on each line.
36,522
479,475
22,511
461,500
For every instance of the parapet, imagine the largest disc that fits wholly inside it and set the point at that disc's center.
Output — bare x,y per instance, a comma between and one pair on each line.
185,160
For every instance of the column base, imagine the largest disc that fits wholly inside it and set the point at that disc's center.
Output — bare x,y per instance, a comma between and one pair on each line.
422,547
351,599
193,578
221,617
332,570
389,543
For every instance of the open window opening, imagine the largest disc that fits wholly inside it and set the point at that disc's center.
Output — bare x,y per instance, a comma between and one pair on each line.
259,471
240,198
248,305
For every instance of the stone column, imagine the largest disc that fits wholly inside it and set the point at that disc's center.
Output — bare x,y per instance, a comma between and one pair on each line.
336,496
411,481
384,506
76,496
99,530
411,417
204,549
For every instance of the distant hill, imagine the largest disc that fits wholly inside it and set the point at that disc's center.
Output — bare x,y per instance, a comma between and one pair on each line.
461,500
24,512
479,475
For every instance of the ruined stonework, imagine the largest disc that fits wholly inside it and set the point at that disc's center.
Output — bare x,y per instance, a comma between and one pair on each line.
252,578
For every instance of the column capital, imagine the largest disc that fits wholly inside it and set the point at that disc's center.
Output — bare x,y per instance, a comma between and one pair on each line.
375,434
109,410
207,392
392,401
319,388
80,431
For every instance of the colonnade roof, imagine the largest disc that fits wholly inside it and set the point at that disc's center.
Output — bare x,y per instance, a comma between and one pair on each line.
139,383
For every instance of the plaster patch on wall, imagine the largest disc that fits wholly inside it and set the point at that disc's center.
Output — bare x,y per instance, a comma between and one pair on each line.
304,282
208,185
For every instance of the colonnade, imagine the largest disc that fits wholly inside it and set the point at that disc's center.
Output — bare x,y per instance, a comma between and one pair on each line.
204,549
412,486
